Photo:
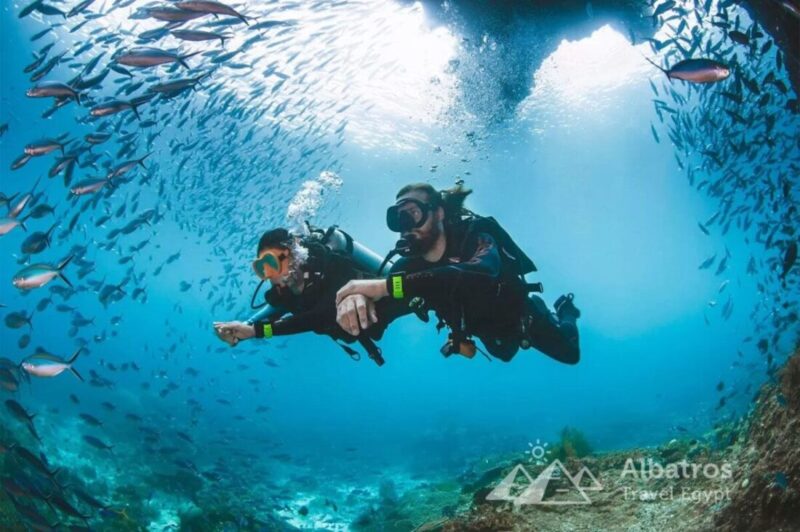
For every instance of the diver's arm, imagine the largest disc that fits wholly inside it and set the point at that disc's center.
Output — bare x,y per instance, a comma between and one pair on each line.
266,313
292,324
482,266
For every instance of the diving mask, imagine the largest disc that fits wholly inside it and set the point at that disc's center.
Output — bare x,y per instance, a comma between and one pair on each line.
406,215
271,264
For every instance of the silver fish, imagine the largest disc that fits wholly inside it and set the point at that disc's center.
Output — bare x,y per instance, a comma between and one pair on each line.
38,275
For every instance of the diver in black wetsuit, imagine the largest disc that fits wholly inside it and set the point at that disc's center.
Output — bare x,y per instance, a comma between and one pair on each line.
305,275
469,271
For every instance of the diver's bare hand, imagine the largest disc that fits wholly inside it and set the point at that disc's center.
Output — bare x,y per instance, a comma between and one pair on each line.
231,332
374,289
356,313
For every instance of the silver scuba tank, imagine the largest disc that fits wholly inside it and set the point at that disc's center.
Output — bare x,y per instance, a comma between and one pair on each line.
336,240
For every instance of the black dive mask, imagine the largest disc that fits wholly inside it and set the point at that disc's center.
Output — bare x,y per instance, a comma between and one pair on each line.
406,215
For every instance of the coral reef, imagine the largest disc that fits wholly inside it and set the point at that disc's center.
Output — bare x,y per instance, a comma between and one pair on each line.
768,487
743,475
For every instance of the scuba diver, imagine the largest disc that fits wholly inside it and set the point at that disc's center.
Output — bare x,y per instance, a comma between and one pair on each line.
305,272
468,270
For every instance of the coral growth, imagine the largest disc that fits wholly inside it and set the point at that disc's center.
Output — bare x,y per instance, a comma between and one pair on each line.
573,444
767,493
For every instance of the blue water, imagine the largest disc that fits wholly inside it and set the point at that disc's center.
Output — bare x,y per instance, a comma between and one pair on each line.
573,173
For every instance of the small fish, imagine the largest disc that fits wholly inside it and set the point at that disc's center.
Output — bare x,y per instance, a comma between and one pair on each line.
53,89
96,443
37,242
97,138
79,8
30,8
38,275
8,224
22,415
144,57
707,263
655,135
53,368
15,320
43,147
24,340
197,36
789,258
89,186
170,14
739,37
114,107
722,266
696,70
790,7
91,420
663,8
20,161
211,8
8,381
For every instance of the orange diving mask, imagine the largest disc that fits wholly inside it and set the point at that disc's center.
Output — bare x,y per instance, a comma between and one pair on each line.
271,264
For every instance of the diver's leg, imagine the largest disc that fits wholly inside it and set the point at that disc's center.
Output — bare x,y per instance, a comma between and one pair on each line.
553,335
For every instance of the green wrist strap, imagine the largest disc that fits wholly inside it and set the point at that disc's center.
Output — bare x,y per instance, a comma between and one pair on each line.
397,286
267,330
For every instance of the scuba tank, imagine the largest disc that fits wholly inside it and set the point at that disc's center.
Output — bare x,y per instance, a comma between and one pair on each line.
336,240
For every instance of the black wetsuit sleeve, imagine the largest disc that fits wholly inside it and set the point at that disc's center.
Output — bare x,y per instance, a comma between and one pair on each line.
298,323
316,319
321,316
481,266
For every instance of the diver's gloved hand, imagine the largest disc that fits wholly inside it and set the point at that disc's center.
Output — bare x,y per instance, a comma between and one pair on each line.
356,313
231,332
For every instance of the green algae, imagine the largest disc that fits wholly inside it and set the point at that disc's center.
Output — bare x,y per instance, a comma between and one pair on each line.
573,444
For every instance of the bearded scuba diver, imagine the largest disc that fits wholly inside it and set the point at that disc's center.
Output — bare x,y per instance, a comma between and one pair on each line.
469,271
305,272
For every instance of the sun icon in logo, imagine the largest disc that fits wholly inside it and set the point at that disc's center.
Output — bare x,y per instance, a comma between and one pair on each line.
538,451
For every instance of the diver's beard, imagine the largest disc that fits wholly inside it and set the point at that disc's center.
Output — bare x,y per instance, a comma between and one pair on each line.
418,245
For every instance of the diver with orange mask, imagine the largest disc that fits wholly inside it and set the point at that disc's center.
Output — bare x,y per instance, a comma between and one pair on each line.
304,273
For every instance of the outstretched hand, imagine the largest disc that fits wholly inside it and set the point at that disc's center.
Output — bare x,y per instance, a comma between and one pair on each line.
231,332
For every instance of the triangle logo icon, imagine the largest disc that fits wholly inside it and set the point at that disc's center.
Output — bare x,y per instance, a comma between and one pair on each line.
517,481
587,481
553,486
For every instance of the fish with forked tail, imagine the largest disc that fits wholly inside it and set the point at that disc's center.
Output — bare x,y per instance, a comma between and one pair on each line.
38,275
53,367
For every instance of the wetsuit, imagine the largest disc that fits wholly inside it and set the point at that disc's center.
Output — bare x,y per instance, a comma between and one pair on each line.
314,309
474,287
